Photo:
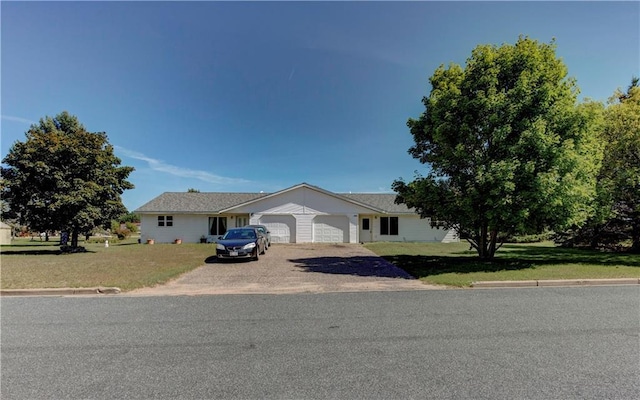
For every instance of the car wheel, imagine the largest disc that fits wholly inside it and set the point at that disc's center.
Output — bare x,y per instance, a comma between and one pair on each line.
264,248
256,256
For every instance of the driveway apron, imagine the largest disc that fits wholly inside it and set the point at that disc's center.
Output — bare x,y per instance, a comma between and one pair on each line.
293,268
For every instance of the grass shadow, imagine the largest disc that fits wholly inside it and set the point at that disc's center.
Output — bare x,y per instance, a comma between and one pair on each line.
561,255
24,252
422,266
34,243
355,266
509,258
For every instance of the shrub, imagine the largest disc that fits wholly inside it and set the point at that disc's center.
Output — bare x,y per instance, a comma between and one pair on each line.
132,227
123,233
536,238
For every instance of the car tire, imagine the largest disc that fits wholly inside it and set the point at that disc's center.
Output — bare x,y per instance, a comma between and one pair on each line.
256,256
264,248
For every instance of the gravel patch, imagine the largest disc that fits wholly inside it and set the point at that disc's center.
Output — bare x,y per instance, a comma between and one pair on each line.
293,268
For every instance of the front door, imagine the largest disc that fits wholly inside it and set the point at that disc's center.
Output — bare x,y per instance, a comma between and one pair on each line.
366,229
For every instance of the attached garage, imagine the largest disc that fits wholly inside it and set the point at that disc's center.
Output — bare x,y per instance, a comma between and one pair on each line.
331,229
282,227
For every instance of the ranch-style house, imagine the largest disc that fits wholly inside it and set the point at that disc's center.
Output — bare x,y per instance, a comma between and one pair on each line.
300,214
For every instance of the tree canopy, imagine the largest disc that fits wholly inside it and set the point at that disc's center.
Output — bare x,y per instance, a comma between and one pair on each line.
616,224
621,166
64,178
506,147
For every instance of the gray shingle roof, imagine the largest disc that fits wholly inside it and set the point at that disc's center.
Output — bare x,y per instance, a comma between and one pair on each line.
383,201
194,203
186,202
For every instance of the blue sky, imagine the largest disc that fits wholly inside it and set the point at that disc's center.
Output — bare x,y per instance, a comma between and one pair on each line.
260,96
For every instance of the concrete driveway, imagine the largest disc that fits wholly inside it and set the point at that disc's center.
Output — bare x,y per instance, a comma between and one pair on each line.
293,268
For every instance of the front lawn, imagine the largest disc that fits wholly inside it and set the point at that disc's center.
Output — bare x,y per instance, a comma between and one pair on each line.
454,264
128,265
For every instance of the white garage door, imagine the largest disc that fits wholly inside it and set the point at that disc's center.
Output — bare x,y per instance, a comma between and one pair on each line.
281,227
330,229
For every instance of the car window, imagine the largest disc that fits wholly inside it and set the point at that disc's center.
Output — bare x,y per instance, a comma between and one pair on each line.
248,234
231,235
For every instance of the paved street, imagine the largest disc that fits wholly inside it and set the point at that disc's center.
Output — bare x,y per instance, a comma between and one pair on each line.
542,343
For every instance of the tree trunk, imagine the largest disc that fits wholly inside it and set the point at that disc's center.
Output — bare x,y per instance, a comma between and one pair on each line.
74,239
635,237
595,239
486,243
492,244
482,242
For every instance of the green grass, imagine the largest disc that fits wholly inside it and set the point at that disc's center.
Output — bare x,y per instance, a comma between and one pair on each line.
33,264
454,264
128,265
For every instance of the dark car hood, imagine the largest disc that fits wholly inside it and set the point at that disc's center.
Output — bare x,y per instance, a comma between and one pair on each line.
235,242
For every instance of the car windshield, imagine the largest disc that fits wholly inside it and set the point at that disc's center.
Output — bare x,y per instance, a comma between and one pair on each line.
240,234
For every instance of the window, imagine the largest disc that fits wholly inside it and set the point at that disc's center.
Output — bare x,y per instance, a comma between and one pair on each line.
217,225
389,226
365,224
241,221
165,220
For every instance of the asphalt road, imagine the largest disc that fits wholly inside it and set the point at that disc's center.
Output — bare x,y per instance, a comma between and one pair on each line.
540,343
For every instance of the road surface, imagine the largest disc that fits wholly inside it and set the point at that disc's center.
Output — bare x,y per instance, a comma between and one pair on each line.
539,343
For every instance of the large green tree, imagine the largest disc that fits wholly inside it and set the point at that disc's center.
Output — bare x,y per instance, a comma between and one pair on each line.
619,178
506,147
616,224
621,166
64,178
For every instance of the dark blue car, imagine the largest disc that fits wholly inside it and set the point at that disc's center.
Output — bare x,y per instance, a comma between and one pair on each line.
241,243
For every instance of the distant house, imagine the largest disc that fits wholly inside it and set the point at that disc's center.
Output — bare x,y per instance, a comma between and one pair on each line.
300,214
5,233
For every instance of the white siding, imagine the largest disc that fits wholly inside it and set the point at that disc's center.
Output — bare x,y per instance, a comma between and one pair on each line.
353,228
411,228
302,201
5,234
305,228
187,227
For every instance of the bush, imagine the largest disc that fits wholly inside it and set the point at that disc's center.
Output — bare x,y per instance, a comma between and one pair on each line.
123,229
123,233
133,228
614,235
536,238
